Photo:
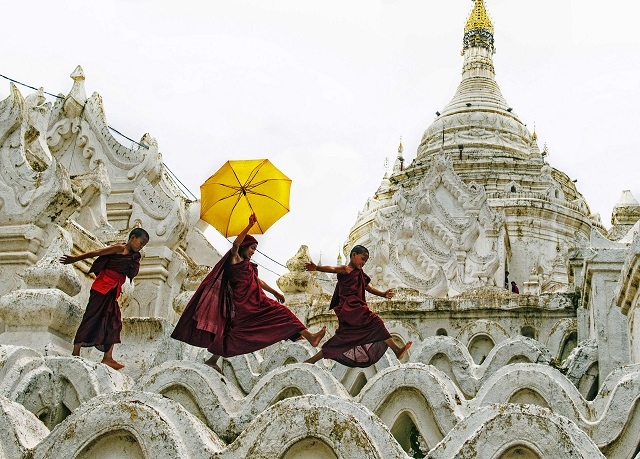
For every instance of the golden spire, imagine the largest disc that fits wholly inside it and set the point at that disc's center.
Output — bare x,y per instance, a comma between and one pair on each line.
478,32
479,19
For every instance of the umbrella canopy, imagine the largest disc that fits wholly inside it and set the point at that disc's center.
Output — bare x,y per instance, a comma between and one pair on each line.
241,188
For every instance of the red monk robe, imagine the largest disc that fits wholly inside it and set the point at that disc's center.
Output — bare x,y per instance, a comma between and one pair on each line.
231,315
359,339
102,321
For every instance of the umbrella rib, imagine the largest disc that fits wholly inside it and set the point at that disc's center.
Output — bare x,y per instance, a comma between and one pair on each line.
262,182
268,197
223,198
253,173
226,231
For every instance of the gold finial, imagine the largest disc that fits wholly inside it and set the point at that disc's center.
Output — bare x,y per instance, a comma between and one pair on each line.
534,136
479,19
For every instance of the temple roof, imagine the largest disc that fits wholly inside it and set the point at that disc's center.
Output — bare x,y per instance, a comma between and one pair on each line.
627,199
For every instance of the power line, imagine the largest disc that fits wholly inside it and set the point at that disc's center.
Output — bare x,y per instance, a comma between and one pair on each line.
262,266
267,256
62,97
32,87
175,177
185,188
171,174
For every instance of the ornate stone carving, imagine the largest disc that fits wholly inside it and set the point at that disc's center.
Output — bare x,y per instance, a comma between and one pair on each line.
438,236
43,315
31,190
297,280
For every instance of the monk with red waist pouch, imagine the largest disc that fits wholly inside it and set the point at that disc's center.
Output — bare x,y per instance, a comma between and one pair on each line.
102,321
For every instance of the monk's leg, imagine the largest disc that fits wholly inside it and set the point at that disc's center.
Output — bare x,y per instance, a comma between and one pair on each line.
397,350
315,358
313,338
109,360
76,349
213,363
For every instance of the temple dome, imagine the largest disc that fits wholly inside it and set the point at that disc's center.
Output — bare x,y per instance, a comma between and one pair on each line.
477,201
478,116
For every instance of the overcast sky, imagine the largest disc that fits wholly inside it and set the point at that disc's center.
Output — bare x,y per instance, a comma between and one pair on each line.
325,89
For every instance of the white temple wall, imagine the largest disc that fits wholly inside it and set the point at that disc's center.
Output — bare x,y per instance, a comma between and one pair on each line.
634,334
21,245
627,295
608,326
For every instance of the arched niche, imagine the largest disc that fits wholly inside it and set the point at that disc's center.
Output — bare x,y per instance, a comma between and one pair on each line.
358,384
590,382
408,435
479,347
184,397
119,444
529,332
443,363
519,452
287,393
569,344
528,396
310,448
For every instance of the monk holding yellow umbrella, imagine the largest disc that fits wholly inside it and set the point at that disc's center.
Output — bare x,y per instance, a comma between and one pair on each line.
242,188
229,313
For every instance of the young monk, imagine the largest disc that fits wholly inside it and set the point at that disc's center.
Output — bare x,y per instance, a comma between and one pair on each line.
102,322
230,314
361,338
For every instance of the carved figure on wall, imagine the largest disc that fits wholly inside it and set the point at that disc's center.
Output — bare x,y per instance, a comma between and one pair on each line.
439,236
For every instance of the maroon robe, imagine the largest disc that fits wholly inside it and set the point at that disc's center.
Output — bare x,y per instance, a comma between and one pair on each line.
359,339
102,321
231,315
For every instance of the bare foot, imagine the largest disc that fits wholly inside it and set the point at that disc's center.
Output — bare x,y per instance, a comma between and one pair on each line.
215,367
317,336
401,352
113,364
213,363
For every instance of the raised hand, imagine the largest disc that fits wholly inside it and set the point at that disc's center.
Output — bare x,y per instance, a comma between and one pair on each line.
67,259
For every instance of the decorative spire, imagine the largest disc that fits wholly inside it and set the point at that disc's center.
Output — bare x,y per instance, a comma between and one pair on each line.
479,30
399,164
479,19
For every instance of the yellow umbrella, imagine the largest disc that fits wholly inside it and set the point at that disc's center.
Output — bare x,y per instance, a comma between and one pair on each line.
241,188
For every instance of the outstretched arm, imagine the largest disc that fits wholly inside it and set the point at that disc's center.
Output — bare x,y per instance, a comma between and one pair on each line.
311,266
235,256
116,248
279,296
386,294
